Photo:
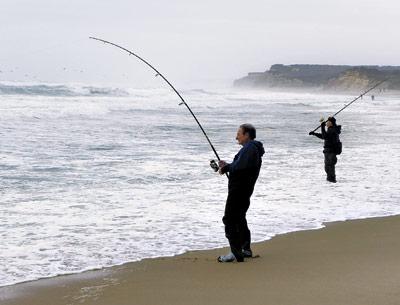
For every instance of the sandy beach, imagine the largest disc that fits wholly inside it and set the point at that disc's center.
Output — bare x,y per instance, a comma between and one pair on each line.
352,262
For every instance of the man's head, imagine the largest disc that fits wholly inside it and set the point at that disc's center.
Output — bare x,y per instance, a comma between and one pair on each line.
245,133
331,122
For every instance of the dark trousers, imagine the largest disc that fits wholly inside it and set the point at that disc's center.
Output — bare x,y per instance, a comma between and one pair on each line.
330,162
236,229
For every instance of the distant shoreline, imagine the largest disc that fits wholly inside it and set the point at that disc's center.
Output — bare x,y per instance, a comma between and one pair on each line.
319,91
323,78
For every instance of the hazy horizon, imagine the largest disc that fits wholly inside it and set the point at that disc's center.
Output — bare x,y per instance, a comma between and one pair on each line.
193,44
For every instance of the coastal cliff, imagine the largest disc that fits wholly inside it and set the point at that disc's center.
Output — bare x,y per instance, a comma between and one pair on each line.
322,77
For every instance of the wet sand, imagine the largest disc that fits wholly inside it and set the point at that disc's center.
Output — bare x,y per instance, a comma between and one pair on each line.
352,262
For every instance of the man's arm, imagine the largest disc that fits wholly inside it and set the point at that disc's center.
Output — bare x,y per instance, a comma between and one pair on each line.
320,135
323,130
246,159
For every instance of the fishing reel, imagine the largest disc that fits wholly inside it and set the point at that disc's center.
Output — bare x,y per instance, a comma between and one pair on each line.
214,165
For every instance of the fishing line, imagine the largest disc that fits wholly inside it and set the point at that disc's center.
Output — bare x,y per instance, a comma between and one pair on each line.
357,98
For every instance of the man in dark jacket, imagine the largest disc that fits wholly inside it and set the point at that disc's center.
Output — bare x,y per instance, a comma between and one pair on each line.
243,174
331,140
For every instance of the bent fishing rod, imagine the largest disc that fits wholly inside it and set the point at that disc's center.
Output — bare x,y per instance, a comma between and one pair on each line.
158,73
357,98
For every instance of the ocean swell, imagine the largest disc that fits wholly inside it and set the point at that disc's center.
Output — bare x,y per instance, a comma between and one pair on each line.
59,90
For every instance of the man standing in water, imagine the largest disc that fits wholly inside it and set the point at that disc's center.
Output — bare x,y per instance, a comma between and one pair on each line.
243,174
332,146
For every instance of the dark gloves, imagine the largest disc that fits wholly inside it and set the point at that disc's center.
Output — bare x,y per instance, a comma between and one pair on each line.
311,133
323,124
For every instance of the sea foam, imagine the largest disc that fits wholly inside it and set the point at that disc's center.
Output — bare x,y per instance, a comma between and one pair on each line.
97,179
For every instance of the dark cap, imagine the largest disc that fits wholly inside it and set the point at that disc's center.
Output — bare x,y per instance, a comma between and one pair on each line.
332,120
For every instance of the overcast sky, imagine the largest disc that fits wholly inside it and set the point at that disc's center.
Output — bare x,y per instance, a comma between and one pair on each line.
194,43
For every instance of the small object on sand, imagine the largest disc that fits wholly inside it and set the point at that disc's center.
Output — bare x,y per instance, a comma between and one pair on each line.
226,258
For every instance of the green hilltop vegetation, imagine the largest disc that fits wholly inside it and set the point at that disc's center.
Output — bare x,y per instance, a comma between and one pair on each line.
322,77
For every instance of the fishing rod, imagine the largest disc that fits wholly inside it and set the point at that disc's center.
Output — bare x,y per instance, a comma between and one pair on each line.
158,73
358,97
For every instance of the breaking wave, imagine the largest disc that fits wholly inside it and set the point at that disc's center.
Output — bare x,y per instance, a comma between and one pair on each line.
102,181
59,90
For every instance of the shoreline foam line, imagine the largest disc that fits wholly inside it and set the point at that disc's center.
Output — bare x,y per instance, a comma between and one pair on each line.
354,261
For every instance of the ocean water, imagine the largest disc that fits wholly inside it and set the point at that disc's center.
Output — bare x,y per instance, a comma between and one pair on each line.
93,177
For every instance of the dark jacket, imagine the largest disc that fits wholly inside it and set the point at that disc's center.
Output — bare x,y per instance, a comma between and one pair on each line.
245,168
330,137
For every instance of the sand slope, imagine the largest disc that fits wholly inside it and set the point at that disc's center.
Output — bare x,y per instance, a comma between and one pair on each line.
353,262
